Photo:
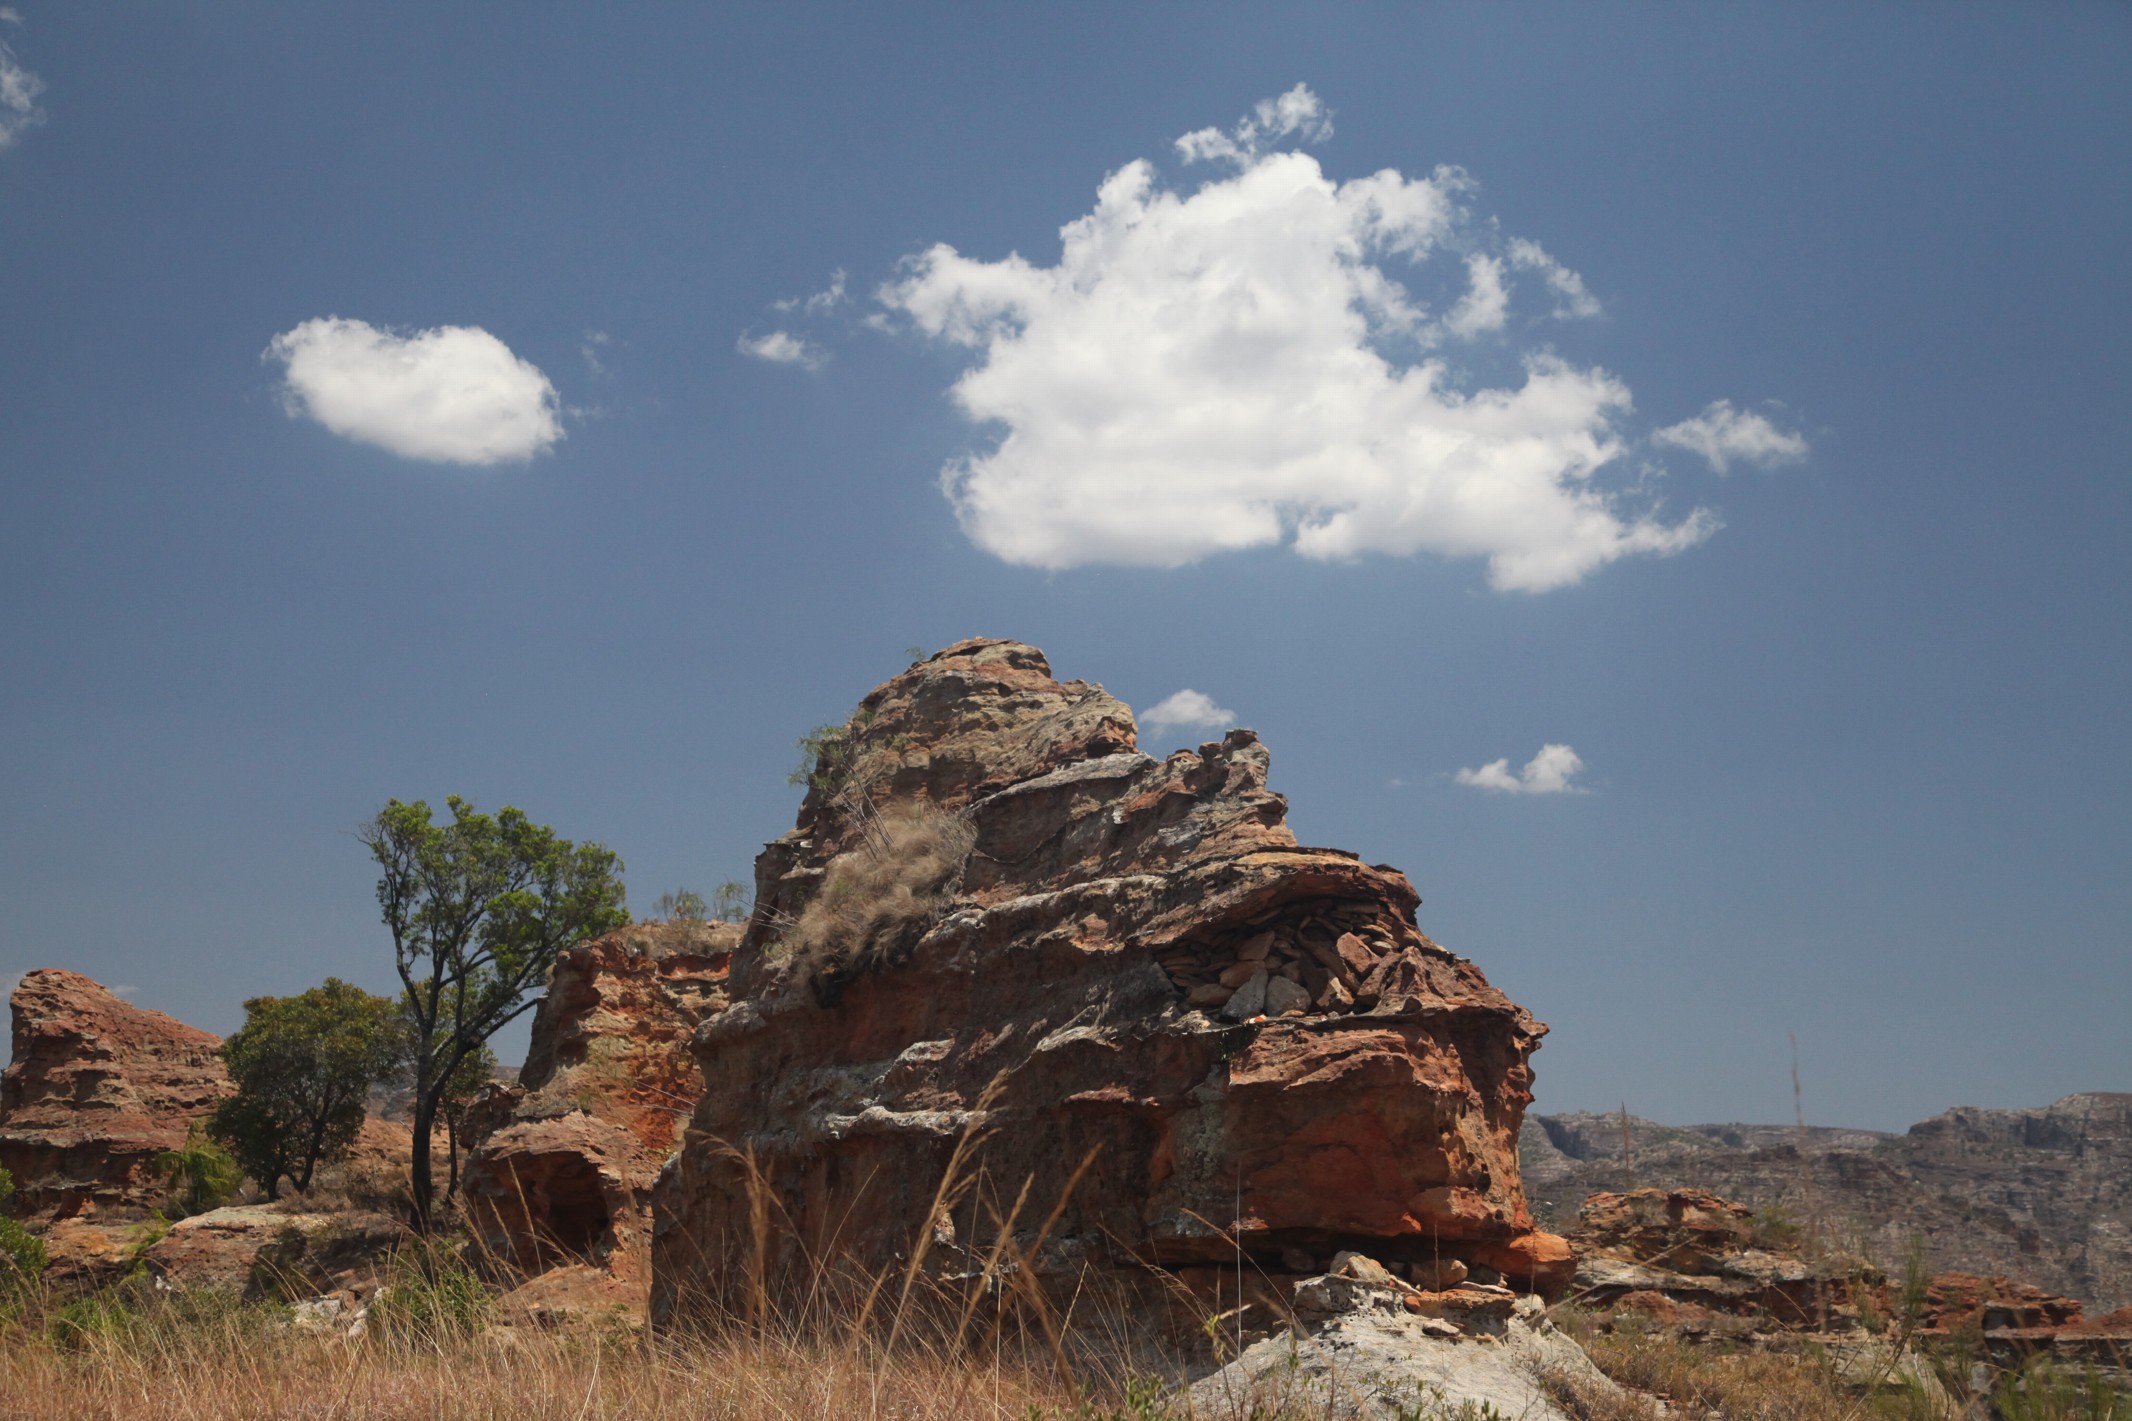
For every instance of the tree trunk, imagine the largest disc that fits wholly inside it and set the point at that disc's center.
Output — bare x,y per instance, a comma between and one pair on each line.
425,1117
451,1145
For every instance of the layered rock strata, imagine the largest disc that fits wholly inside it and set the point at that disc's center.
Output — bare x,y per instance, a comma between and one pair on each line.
558,1186
96,1090
1001,935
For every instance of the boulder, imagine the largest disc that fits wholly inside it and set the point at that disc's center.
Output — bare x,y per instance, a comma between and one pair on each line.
96,1090
1001,934
1354,1350
559,1176
268,1250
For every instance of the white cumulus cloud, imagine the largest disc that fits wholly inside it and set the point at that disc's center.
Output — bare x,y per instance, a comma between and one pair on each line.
783,348
1255,362
1187,709
1552,771
1722,434
19,89
452,395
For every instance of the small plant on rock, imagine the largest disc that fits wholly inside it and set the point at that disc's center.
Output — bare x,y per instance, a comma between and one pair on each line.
200,1173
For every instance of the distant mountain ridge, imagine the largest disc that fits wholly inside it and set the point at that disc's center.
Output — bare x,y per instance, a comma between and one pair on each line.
2042,1195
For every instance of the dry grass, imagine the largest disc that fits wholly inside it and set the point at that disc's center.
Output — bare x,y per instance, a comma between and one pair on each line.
253,1364
880,895
1743,1380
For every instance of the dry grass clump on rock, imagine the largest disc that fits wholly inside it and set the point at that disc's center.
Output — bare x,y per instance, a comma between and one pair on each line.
879,897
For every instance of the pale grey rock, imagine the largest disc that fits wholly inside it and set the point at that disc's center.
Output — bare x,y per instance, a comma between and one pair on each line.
1374,1365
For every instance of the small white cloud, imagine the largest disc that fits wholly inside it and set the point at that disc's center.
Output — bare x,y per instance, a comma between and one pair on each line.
1722,434
820,303
452,395
1485,304
1572,301
123,989
19,89
1549,772
782,348
1187,710
595,343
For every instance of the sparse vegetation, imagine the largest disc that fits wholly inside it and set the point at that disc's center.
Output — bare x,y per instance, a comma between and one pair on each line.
826,755
202,1175
731,902
684,906
22,1253
875,899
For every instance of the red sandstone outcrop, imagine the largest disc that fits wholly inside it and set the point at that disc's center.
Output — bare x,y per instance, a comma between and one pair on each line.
97,1088
558,1187
991,889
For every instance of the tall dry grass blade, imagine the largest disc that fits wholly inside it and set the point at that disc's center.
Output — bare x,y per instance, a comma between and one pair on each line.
954,1184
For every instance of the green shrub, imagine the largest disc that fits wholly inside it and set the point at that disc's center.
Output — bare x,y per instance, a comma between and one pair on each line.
22,1255
430,1294
201,1174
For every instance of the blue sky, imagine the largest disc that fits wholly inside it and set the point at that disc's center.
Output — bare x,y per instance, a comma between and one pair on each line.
1844,724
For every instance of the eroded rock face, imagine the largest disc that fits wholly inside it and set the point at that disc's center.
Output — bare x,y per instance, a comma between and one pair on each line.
561,1183
97,1088
1233,1032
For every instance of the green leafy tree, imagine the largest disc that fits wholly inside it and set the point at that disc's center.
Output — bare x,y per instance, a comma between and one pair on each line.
478,909
303,1067
200,1173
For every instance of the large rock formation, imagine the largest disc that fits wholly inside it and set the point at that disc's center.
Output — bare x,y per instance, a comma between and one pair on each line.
2037,1194
998,926
97,1088
559,1187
